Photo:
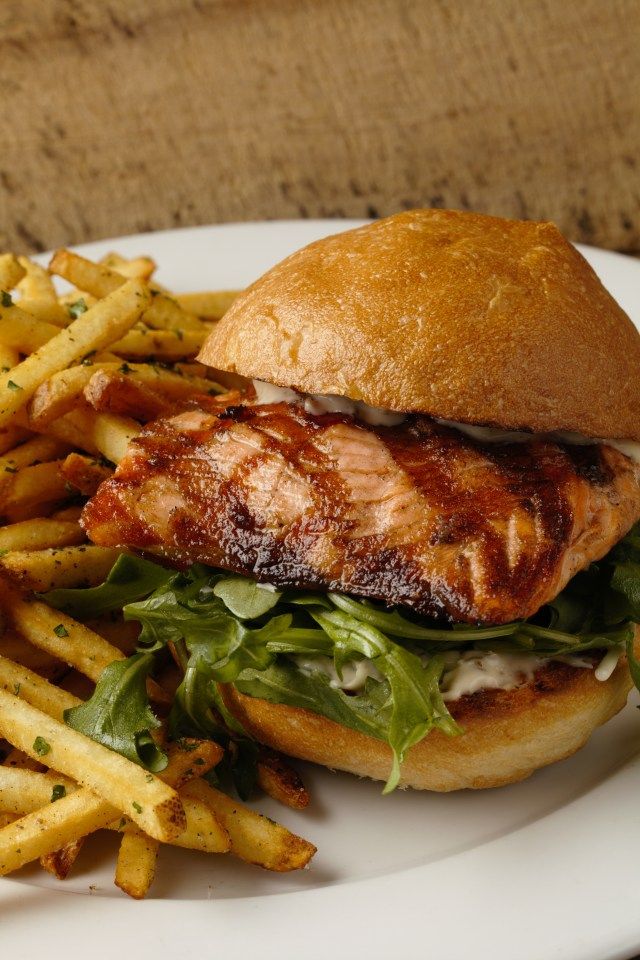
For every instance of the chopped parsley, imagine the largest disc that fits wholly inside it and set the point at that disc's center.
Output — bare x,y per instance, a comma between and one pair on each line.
41,746
77,308
13,386
59,791
136,807
61,630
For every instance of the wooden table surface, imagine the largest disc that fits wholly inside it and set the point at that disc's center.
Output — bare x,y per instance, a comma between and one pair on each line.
122,115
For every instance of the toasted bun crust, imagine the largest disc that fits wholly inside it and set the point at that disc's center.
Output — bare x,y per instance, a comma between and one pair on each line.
507,733
455,315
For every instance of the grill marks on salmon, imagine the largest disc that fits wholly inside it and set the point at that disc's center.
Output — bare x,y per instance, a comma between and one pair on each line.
419,515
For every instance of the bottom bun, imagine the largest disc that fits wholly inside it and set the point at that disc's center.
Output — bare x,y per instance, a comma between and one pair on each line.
507,733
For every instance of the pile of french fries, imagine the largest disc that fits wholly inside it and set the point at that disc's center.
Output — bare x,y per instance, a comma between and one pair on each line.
81,372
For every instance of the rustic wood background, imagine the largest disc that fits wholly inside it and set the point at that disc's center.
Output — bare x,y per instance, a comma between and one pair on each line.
128,115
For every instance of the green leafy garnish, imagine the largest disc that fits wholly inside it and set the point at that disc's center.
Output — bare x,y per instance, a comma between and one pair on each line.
77,308
119,715
41,747
130,578
245,598
59,791
61,630
274,644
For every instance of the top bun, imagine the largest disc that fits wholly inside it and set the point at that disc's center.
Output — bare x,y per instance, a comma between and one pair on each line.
455,315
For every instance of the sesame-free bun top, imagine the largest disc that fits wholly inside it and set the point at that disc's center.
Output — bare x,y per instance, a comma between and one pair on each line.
451,314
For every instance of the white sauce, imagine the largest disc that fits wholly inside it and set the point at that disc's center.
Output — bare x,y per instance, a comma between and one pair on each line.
630,448
317,404
608,664
354,673
465,673
479,670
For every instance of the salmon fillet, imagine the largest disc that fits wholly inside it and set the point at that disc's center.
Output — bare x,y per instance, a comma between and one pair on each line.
416,514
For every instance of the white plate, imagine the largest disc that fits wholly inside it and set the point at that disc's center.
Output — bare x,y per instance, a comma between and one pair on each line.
545,869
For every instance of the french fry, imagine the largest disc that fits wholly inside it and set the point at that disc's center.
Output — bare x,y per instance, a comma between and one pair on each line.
104,433
31,511
21,681
12,435
84,473
37,450
40,533
190,758
209,304
155,807
163,313
139,268
111,392
59,394
254,838
65,429
52,828
94,278
59,862
160,344
23,332
58,634
23,791
18,760
38,484
11,272
69,514
203,831
103,323
14,647
9,357
280,781
79,394
47,312
77,566
36,282
136,866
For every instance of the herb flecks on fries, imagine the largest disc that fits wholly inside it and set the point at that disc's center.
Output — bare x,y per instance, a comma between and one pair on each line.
80,375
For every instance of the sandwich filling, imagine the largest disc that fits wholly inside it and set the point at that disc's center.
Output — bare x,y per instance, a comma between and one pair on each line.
417,514
373,572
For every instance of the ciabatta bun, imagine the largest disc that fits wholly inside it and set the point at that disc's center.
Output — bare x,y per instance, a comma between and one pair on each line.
507,733
455,315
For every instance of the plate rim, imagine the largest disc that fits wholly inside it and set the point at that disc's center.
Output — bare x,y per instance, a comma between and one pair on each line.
461,874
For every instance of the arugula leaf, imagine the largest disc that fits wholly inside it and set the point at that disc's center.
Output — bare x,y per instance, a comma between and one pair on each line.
119,716
417,704
394,623
227,629
284,682
129,579
626,581
246,598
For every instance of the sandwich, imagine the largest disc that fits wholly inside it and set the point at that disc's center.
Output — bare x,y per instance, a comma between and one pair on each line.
402,544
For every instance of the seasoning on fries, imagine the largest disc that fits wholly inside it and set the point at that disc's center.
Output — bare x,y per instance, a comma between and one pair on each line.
80,375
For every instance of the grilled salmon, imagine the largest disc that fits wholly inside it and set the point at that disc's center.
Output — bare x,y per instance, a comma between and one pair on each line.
417,514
